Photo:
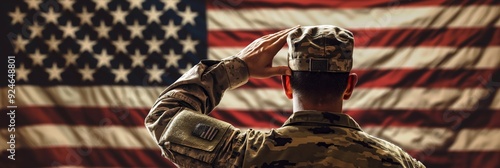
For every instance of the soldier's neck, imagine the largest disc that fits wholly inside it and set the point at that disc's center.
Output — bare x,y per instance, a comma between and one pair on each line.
334,106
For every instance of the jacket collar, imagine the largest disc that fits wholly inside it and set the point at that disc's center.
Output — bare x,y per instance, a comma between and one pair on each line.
322,118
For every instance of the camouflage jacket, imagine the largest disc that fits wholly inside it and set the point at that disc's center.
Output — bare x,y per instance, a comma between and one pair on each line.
178,122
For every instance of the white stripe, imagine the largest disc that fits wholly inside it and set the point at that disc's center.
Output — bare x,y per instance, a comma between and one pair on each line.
38,136
496,100
254,99
97,96
404,57
477,140
409,138
358,18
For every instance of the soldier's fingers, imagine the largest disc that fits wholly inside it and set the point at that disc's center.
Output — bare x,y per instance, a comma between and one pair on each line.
278,40
279,70
279,33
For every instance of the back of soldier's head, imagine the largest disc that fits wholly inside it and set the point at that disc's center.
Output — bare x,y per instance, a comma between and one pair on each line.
320,58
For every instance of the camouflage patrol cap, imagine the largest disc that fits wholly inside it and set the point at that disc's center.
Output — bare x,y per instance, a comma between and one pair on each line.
323,48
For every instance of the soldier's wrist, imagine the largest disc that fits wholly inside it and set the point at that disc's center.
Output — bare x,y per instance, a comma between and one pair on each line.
236,70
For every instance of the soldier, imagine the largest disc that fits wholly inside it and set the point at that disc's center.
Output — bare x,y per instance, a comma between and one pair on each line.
317,134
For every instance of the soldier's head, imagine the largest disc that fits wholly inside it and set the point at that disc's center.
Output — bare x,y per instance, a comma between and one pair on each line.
320,58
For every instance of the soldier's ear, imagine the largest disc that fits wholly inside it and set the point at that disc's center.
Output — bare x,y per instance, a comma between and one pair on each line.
351,82
287,87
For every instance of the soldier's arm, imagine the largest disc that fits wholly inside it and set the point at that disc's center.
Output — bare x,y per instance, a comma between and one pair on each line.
181,107
178,121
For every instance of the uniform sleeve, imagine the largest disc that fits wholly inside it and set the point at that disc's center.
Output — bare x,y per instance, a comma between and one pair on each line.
178,121
409,161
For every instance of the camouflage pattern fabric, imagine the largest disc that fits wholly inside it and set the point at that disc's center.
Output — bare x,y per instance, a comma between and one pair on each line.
323,48
307,139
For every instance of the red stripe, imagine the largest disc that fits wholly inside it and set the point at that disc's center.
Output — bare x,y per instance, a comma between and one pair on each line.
91,116
451,119
480,118
254,118
457,37
404,78
250,4
438,158
86,157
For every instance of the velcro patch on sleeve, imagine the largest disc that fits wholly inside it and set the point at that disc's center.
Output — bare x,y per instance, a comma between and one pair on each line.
204,131
192,129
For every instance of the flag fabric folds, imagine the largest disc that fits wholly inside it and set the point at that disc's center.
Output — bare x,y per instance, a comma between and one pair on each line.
88,71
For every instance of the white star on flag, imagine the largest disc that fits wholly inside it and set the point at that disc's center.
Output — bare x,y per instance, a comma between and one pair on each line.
33,4
85,17
37,57
36,30
170,4
20,44
87,73
104,59
121,74
189,45
17,16
102,30
138,59
51,16
154,45
155,73
136,29
101,4
119,15
121,45
135,3
68,30
54,72
172,59
86,44
171,30
22,73
153,15
70,58
53,43
67,4
188,16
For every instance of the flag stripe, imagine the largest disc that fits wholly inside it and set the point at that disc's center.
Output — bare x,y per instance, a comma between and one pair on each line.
403,57
89,116
403,78
81,136
86,157
418,138
251,4
400,37
252,99
131,117
382,18
410,138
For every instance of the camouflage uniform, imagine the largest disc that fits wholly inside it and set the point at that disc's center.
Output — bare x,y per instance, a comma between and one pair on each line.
178,122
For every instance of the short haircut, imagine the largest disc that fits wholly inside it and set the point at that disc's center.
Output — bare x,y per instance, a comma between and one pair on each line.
319,86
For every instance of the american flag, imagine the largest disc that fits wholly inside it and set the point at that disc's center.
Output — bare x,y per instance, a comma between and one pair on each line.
88,71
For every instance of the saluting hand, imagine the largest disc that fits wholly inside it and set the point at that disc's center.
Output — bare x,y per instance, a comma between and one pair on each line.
259,55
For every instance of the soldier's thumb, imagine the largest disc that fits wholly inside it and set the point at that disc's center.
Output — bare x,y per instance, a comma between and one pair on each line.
279,70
